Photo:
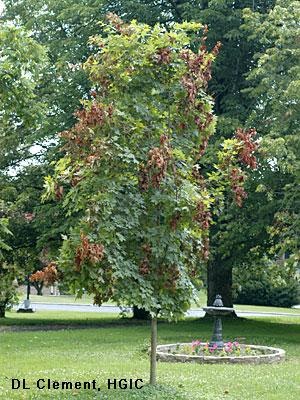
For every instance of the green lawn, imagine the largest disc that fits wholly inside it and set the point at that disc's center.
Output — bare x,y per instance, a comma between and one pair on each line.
64,299
117,349
71,318
68,299
243,307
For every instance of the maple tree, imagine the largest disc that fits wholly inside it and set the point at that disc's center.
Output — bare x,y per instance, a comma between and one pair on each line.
47,276
130,171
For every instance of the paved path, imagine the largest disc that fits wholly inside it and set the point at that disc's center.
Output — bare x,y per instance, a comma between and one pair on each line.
115,309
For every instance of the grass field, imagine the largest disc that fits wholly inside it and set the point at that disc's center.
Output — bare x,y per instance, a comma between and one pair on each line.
117,349
68,299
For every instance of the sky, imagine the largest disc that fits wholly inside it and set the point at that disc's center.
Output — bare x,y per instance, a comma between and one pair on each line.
1,6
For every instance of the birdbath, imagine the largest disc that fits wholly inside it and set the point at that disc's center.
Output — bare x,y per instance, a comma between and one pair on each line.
217,310
211,354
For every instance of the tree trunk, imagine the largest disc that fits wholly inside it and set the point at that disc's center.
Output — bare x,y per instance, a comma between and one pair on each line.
219,281
140,313
153,351
39,288
2,310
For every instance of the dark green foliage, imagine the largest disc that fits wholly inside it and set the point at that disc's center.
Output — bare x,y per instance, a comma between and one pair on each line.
267,284
8,272
274,86
269,221
263,293
36,227
21,111
64,28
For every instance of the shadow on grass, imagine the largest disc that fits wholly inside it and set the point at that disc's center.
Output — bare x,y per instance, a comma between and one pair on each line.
247,330
51,323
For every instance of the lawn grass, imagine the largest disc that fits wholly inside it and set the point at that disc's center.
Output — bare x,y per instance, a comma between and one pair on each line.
117,349
243,307
86,299
50,318
62,299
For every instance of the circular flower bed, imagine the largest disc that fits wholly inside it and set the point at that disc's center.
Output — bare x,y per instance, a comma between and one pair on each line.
203,349
232,352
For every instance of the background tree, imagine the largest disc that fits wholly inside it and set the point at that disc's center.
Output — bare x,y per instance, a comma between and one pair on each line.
20,114
232,105
36,227
267,282
274,199
45,277
20,111
8,272
275,84
275,112
64,28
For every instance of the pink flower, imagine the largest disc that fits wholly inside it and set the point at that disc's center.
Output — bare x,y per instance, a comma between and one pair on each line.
228,349
196,343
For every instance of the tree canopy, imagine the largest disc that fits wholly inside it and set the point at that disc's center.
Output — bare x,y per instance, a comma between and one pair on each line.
130,170
21,112
275,83
21,63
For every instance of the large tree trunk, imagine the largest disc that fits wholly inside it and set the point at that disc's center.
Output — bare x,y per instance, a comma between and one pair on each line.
2,310
39,288
219,281
140,313
153,362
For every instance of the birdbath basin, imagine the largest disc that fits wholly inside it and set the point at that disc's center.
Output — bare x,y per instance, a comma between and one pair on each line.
217,310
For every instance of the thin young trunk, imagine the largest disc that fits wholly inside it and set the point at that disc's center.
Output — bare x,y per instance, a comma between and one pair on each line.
153,351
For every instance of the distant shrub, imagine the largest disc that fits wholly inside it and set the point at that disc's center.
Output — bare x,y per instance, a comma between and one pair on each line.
270,284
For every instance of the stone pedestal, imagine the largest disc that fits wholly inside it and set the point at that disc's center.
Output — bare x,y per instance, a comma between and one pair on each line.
25,307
